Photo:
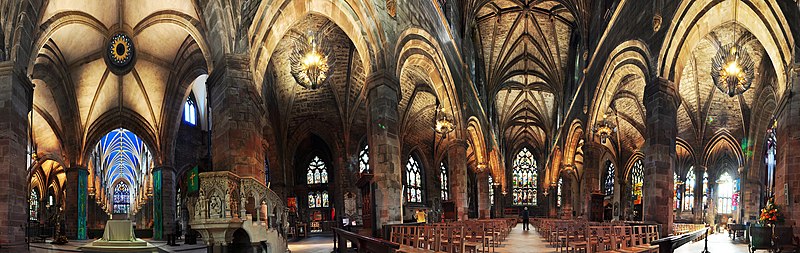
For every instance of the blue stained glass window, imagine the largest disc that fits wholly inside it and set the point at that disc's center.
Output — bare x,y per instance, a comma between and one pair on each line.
445,181
190,111
525,178
122,199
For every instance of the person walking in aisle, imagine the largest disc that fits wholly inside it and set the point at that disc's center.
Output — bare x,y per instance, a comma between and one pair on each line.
525,221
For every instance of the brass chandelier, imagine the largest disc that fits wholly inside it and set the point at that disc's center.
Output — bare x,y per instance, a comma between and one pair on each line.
443,124
311,64
732,69
605,128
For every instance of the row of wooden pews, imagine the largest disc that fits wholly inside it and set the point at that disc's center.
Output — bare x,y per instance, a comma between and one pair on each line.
581,236
453,237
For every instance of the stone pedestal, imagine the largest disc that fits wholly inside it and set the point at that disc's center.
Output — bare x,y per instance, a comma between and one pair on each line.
457,160
15,103
384,148
661,102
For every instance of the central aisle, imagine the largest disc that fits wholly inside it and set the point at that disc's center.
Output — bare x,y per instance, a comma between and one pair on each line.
525,241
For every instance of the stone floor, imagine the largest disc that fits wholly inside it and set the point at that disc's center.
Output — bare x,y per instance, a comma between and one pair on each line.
72,246
313,244
717,243
520,241
517,242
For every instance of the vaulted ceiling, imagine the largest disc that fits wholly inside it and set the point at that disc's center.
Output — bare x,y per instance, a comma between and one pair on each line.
524,46
75,89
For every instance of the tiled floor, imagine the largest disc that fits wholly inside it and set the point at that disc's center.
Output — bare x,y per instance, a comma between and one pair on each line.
314,244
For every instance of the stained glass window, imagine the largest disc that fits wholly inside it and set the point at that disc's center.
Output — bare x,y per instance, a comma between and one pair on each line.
190,111
363,160
558,192
317,172
725,194
609,180
525,178
413,181
491,190
688,193
266,171
122,199
34,204
772,149
676,191
637,179
445,180
317,199
705,189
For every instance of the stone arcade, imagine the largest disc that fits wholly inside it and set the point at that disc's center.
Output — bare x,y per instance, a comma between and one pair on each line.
275,126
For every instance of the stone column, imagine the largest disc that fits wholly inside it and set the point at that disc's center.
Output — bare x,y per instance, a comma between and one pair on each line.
661,103
457,160
698,193
566,196
166,203
384,143
15,103
591,176
787,176
75,209
484,205
237,111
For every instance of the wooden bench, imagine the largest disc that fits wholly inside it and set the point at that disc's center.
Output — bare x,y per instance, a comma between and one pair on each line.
365,244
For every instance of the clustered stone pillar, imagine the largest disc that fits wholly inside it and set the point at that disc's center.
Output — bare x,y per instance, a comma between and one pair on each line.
457,160
167,202
661,103
237,116
591,180
484,206
15,103
75,204
787,176
384,143
566,197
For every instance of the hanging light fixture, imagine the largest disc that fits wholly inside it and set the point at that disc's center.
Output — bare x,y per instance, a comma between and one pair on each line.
732,68
443,122
311,65
605,128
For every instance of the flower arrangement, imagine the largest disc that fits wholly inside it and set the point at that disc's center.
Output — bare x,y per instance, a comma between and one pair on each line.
770,214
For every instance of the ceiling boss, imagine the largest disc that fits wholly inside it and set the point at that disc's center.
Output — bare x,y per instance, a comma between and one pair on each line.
120,54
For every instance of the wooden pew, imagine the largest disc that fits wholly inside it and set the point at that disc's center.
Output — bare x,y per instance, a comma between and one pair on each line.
365,244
